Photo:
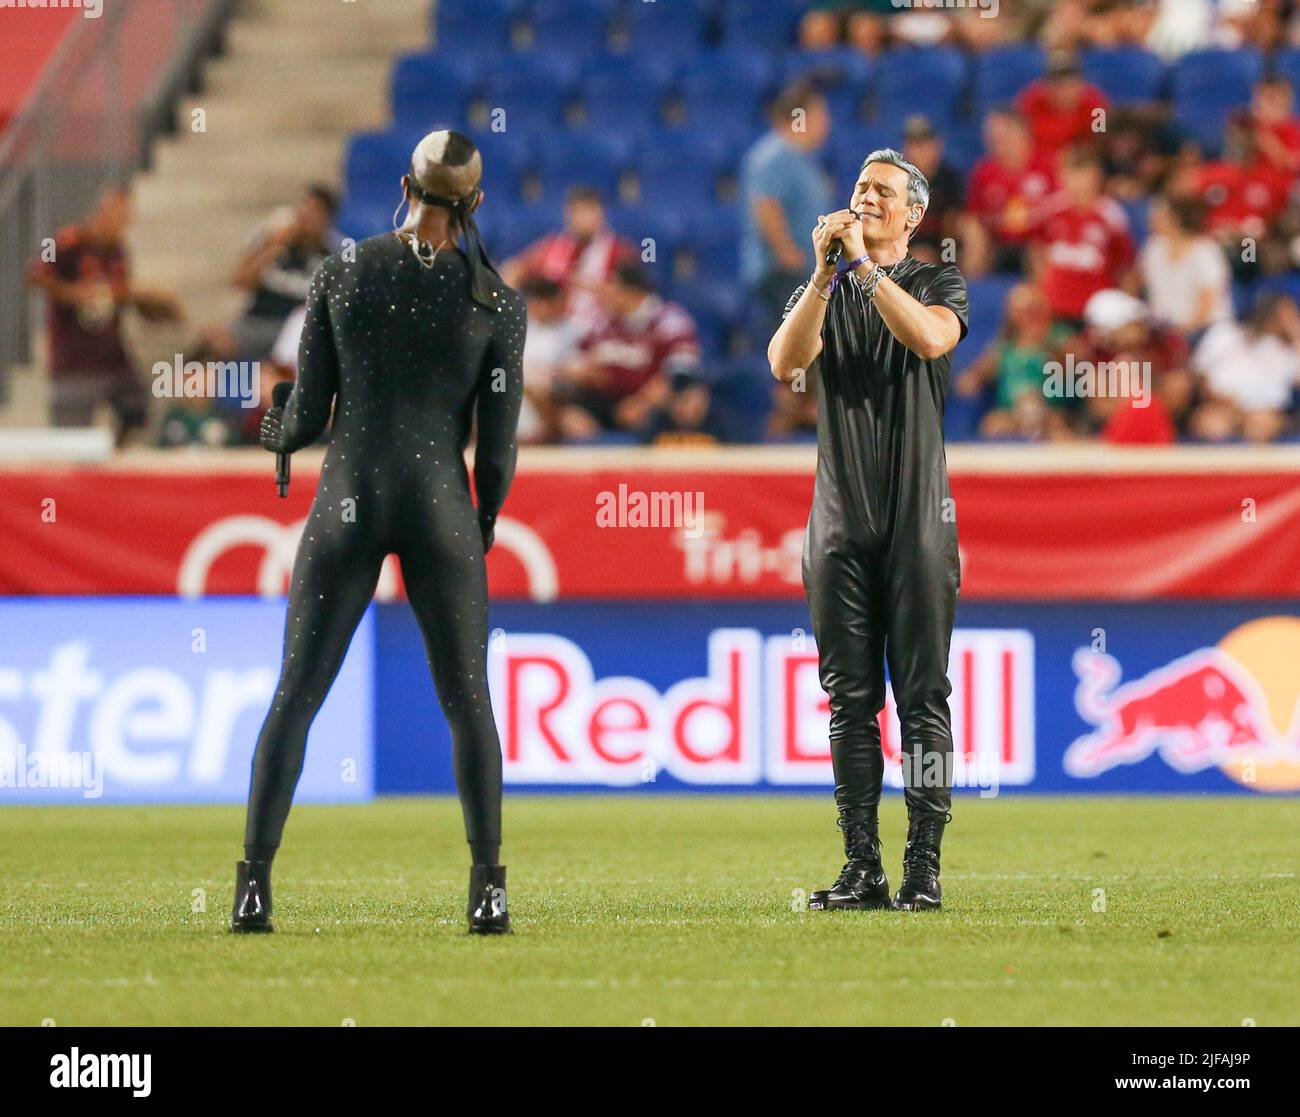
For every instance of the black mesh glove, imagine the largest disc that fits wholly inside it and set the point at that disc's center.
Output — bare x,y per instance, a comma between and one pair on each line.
272,429
487,527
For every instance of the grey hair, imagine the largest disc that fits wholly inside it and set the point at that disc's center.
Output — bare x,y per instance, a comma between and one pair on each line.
918,186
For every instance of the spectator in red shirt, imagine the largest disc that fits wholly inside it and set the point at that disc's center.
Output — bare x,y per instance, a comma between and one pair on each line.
1244,194
580,258
1275,126
638,368
1082,243
1063,110
85,276
1008,187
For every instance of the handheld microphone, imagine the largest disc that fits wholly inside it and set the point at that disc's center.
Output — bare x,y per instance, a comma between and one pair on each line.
836,249
279,397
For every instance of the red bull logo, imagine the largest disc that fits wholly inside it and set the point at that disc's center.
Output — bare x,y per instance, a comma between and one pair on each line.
1233,706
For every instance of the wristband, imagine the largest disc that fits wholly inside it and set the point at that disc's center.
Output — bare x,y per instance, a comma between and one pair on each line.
852,267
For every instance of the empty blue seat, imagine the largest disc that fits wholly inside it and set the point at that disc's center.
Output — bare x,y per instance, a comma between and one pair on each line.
715,243
533,92
830,67
718,151
850,145
763,24
477,25
757,69
665,28
717,310
988,296
432,85
1286,64
655,231
1001,73
582,158
360,218
578,27
376,160
507,157
1127,75
1208,86
711,100
670,180
508,230
931,80
631,103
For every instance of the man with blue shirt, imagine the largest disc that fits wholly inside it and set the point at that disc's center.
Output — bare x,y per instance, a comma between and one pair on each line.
784,188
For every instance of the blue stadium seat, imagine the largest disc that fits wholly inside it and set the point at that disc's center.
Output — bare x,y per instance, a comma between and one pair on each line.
585,158
844,75
507,157
533,91
718,151
669,180
830,67
1286,64
578,27
376,161
666,29
742,397
663,70
761,24
664,227
850,145
507,231
988,295
712,100
431,85
932,80
475,25
359,218
1127,75
715,243
758,69
631,102
718,311
1208,86
1001,73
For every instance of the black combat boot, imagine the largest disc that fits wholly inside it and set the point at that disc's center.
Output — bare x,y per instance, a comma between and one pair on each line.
488,914
861,884
920,890
252,910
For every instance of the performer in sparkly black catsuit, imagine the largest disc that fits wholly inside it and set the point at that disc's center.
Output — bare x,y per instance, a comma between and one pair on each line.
409,343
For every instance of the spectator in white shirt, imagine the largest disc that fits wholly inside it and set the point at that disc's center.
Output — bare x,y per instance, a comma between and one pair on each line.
1188,281
1250,372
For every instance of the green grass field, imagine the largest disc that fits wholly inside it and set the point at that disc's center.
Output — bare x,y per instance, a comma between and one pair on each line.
677,911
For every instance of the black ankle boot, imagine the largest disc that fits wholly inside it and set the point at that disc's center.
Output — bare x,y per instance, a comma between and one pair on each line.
488,914
252,910
920,890
861,884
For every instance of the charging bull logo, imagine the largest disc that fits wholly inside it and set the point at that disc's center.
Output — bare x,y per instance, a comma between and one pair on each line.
1233,707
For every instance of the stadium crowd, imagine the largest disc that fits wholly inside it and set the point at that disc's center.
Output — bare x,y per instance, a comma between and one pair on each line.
1134,265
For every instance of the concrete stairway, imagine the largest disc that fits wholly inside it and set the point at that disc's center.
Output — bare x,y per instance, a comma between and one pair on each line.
299,77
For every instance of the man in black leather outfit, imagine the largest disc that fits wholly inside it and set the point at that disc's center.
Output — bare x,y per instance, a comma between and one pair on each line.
880,554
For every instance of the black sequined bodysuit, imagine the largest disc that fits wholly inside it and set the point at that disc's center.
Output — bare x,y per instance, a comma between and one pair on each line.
408,360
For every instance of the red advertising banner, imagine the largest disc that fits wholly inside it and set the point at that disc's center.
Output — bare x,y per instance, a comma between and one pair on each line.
655,524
